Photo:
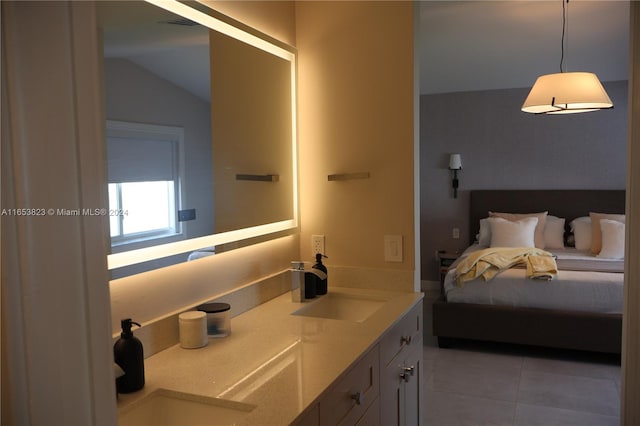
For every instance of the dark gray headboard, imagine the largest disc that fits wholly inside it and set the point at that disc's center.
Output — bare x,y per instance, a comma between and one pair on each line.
566,203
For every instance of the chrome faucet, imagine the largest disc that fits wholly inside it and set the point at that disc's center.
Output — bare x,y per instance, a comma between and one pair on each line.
303,282
297,282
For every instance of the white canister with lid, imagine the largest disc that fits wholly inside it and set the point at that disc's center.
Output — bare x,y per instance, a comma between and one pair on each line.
193,329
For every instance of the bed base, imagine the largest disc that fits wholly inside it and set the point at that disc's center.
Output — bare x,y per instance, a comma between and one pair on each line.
538,327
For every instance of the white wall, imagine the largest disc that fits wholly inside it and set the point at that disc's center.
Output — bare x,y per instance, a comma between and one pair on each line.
56,347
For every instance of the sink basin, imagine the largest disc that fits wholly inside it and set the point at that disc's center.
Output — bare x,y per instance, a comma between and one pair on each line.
344,307
164,407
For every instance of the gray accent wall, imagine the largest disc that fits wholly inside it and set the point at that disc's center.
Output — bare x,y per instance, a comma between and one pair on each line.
504,148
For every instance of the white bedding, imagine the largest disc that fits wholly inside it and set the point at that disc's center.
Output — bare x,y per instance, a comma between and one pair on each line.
571,290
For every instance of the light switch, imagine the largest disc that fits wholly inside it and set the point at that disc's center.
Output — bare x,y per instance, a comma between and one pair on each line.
393,248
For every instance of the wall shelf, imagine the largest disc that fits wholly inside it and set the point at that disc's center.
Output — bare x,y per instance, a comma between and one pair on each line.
349,176
258,178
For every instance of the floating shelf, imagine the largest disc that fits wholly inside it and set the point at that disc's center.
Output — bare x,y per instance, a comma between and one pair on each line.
259,178
349,176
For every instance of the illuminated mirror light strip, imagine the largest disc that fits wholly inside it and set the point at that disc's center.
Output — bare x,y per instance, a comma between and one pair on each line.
294,137
222,27
132,257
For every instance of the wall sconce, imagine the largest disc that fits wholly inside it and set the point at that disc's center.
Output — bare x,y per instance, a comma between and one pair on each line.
455,164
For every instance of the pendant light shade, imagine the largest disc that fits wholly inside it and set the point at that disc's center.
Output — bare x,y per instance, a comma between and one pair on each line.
566,93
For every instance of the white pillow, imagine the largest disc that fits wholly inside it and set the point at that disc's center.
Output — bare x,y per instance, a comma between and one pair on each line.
518,233
581,228
554,232
596,233
542,216
612,239
484,236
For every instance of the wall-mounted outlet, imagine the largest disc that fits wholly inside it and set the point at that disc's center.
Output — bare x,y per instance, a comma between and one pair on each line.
317,244
455,233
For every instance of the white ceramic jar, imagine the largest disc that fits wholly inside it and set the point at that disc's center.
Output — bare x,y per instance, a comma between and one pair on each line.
193,329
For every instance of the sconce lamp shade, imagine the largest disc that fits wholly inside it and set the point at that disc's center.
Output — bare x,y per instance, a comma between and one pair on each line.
566,93
455,162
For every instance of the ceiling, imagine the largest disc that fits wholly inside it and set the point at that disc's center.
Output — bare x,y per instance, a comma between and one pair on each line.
464,45
165,44
482,45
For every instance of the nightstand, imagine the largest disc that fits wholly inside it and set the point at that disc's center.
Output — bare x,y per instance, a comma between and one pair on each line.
445,259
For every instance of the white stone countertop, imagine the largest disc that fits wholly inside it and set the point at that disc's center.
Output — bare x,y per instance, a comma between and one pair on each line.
279,362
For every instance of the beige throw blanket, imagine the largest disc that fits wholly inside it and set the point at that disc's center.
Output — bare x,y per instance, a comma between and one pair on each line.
489,262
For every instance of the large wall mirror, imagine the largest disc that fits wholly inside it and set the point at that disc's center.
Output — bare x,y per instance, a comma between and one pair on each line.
201,133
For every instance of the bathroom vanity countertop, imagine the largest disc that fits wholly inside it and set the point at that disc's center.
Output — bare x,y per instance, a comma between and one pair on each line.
279,362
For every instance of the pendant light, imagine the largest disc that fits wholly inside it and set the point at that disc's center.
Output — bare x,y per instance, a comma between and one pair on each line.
566,92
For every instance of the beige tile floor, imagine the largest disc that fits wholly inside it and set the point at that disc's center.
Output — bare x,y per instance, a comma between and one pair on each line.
486,384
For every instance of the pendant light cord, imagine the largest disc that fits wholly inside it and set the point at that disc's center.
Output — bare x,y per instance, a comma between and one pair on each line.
564,23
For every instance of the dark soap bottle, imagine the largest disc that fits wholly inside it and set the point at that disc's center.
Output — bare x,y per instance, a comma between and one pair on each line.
310,282
128,354
321,284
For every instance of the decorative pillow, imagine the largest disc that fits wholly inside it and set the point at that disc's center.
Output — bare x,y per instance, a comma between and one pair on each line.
554,233
539,234
509,233
596,234
581,228
612,239
484,236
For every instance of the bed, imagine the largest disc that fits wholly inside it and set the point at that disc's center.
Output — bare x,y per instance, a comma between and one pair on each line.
572,325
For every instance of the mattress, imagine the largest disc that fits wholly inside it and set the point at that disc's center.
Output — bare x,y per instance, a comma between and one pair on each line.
584,283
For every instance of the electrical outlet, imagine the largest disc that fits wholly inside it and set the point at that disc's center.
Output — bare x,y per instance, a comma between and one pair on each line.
317,244
455,233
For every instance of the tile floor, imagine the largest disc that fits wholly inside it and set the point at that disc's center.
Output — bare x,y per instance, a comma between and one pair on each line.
491,384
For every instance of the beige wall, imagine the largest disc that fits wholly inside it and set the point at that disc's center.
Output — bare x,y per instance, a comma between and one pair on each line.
275,18
356,115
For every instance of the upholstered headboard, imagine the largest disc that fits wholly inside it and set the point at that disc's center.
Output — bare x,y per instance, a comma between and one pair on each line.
566,203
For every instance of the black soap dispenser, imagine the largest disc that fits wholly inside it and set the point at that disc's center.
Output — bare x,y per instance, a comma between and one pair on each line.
310,281
128,354
321,283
